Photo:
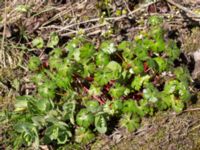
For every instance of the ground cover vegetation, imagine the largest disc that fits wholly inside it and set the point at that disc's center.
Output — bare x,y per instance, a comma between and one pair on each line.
67,90
81,90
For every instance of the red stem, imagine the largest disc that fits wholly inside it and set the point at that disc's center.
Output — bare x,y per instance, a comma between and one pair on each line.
94,96
87,91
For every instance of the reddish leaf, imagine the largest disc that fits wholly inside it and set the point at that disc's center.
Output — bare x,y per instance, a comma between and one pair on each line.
146,68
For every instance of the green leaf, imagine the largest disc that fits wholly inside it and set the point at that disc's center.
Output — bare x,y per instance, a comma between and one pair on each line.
59,132
73,44
92,106
64,70
62,81
38,78
128,53
102,59
111,72
177,104
184,92
152,64
21,104
76,55
155,20
171,101
55,62
141,52
94,90
171,86
114,67
108,109
162,63
69,111
39,121
117,105
100,124
178,88
144,108
83,136
28,132
56,53
108,47
84,118
150,93
117,91
182,74
53,41
102,78
125,45
73,48
47,89
129,121
137,66
89,69
164,101
34,63
38,42
86,51
158,46
139,81
40,105
129,106
113,107
172,50
157,33
127,49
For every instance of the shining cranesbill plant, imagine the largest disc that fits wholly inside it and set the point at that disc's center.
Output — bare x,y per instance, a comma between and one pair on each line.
80,89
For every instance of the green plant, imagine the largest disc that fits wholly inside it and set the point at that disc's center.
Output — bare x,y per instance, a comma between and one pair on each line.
80,89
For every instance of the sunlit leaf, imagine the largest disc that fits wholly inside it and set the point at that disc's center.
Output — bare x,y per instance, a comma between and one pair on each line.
84,118
38,42
83,136
53,41
100,124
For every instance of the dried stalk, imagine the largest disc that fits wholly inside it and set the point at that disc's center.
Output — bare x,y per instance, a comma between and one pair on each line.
2,51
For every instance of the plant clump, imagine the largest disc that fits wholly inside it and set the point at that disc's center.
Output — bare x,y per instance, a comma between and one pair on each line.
80,90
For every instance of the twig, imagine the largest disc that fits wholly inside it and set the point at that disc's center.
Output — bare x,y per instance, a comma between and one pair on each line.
2,52
183,8
84,30
192,109
94,33
94,96
127,7
106,19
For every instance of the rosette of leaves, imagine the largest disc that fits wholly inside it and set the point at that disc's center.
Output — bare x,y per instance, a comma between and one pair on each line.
112,71
84,118
28,135
58,131
83,135
130,121
113,107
